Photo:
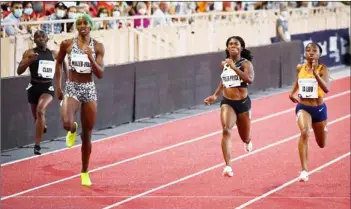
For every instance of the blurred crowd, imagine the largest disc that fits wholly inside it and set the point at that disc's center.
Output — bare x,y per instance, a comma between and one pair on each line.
15,12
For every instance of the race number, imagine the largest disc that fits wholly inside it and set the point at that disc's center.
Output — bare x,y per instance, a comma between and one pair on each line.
230,78
308,88
46,69
81,63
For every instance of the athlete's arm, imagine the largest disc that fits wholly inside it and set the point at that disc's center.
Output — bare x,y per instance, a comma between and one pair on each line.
323,78
59,63
64,65
295,86
220,85
247,75
28,57
213,97
219,89
98,64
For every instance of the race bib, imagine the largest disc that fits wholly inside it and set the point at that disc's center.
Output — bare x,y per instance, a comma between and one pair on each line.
80,63
308,88
230,78
46,69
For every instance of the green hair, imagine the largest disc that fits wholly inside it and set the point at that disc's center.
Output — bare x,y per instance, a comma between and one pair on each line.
88,19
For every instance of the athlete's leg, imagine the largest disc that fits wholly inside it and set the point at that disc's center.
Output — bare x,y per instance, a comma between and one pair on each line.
33,108
228,119
33,100
304,121
88,118
244,124
68,110
320,131
319,125
44,101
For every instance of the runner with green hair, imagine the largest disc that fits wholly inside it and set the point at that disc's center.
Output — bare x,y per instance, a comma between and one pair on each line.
88,18
85,59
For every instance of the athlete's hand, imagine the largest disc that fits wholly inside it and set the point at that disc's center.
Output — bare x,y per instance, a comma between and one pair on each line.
229,62
33,57
293,98
222,64
59,94
88,51
209,100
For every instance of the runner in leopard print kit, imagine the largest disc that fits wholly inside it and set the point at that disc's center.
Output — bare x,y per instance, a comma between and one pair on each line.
85,58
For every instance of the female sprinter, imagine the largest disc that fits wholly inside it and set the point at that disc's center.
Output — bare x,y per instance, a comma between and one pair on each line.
40,61
312,82
236,105
85,56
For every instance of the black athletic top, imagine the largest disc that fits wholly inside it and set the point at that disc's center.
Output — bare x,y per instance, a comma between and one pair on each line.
44,67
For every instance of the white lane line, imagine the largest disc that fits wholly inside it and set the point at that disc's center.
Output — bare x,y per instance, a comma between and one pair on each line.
213,167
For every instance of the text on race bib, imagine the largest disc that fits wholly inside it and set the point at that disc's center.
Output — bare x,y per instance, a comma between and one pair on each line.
308,88
46,69
81,63
230,78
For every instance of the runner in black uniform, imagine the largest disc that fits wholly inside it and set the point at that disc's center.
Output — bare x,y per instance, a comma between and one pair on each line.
40,61
237,74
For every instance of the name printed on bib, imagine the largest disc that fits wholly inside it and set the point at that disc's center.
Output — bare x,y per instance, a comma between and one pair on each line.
46,69
81,63
308,88
230,78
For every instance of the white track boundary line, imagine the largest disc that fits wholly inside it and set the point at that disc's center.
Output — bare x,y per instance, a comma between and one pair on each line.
293,181
159,150
141,129
177,197
214,167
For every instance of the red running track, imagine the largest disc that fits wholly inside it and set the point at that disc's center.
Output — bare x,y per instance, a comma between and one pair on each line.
254,175
329,188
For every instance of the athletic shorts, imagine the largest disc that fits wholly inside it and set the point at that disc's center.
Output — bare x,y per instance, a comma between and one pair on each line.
318,113
82,92
35,90
239,106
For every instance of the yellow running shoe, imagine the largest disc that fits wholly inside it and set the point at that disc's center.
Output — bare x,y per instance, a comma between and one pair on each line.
85,179
71,137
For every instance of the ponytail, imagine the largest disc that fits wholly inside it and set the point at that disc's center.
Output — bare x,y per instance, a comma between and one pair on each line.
245,53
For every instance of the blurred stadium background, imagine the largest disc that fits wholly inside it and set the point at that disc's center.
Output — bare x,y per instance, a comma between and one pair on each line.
137,31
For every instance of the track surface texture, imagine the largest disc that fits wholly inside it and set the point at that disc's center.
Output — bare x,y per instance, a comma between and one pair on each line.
178,165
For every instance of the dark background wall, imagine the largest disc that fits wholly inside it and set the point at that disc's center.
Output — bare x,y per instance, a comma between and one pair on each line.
335,44
145,89
115,107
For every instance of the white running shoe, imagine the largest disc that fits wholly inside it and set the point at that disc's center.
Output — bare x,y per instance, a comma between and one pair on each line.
228,172
303,176
248,147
